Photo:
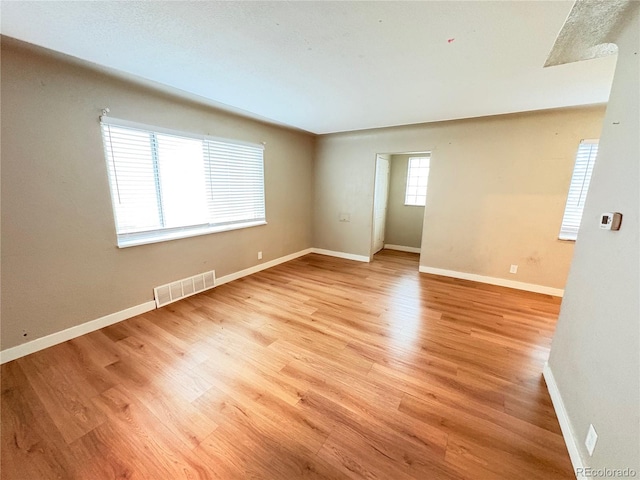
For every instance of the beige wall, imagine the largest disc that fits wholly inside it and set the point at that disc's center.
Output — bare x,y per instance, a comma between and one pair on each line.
404,222
60,264
497,189
595,356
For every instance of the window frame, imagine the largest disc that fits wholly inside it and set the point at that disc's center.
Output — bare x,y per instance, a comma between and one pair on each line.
568,230
408,177
143,237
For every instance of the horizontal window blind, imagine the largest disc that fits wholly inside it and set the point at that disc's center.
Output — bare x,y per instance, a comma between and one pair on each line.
235,179
582,171
164,183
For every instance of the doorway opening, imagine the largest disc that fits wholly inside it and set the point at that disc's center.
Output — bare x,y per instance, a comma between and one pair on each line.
400,193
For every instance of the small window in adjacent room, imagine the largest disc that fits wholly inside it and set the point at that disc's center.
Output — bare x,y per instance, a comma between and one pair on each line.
585,160
167,185
417,177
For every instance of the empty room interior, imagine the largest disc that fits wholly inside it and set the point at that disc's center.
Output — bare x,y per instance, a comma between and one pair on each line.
325,240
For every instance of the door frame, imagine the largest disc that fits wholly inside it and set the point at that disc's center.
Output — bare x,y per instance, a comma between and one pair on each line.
422,151
373,210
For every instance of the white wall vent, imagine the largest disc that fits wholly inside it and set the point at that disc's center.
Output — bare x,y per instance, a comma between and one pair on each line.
174,291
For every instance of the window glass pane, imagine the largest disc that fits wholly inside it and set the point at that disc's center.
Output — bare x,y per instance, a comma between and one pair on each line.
417,179
182,185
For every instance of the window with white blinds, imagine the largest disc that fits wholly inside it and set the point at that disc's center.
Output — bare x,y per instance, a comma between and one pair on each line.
167,185
417,178
585,160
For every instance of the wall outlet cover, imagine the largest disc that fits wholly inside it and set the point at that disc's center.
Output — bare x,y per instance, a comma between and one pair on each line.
513,269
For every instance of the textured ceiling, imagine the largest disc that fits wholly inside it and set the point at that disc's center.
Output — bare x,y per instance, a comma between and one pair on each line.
589,30
329,66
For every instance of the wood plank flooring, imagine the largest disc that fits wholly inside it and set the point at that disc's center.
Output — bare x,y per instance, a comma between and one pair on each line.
320,368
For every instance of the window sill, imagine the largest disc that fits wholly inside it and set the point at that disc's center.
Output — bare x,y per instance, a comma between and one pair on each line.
135,239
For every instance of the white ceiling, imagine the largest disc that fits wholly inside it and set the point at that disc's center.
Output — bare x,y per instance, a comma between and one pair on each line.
329,66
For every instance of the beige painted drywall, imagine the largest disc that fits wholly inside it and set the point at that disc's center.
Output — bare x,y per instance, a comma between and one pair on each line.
596,348
404,222
497,189
60,264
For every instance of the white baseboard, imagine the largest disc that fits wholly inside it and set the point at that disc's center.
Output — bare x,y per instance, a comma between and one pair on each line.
348,256
262,266
502,282
563,419
401,248
73,332
93,325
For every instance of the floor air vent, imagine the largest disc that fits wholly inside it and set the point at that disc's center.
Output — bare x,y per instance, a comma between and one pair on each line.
179,289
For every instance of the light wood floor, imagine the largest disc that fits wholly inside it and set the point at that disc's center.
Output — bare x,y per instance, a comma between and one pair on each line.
318,368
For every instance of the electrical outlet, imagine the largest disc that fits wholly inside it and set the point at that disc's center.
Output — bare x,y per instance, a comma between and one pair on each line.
513,269
591,440
259,255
